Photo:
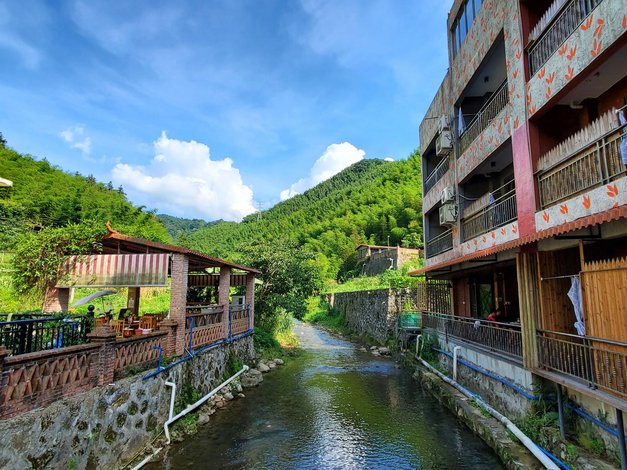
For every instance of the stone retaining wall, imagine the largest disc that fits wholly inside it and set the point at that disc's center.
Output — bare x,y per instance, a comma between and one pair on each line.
373,313
106,426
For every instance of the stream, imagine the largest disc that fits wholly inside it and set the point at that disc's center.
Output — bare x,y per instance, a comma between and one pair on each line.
334,407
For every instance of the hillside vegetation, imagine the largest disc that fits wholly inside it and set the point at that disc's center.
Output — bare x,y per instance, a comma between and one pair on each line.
44,196
179,228
366,203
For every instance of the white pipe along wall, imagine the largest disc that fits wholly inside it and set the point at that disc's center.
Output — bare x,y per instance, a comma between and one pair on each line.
528,443
192,407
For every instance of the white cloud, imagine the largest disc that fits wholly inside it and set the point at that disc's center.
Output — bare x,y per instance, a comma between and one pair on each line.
335,158
182,179
388,159
76,138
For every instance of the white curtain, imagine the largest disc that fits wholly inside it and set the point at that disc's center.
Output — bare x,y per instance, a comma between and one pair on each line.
461,123
574,294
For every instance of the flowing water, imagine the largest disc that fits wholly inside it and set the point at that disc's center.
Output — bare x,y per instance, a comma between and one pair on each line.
336,407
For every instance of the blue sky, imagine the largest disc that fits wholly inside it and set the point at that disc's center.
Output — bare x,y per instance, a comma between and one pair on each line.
212,108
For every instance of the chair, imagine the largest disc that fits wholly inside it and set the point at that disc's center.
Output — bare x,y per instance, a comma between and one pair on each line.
118,327
100,321
148,322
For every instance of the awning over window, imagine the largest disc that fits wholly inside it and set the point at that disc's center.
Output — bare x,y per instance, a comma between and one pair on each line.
136,270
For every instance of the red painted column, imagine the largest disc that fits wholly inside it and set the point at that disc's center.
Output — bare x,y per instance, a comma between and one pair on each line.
525,183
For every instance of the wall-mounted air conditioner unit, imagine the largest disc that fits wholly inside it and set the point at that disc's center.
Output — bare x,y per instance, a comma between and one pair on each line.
448,214
448,195
443,143
443,124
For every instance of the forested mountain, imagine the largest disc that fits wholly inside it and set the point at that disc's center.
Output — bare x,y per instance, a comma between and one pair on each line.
179,228
45,196
365,203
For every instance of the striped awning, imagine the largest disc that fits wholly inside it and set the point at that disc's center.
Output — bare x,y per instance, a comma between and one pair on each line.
137,270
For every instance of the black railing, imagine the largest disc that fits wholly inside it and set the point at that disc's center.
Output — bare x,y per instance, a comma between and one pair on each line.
594,165
597,362
501,338
437,174
562,26
440,244
483,118
26,336
502,211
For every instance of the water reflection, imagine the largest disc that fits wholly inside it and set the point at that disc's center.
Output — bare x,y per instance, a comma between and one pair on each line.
335,408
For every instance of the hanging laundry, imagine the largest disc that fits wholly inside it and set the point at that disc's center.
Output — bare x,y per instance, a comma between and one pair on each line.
574,294
622,117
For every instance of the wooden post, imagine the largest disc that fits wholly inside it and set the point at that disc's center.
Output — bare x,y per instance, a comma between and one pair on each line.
178,299
133,300
250,297
528,294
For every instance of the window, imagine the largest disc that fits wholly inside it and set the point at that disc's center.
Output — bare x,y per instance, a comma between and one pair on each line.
462,24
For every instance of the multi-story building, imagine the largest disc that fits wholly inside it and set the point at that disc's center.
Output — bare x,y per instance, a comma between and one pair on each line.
524,153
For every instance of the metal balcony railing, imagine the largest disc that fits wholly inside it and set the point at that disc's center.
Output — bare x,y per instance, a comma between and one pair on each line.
483,118
434,296
440,244
595,164
499,338
502,211
598,362
437,174
558,30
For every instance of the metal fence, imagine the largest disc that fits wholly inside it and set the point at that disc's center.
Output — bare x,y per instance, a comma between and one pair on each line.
558,31
437,174
484,117
598,362
499,338
440,243
40,334
434,296
502,211
597,164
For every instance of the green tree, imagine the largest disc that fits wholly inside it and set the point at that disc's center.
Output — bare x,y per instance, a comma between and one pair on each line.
289,276
39,254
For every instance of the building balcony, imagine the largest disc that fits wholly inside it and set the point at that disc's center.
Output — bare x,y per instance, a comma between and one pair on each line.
586,160
482,119
488,213
437,174
439,244
503,339
597,363
560,20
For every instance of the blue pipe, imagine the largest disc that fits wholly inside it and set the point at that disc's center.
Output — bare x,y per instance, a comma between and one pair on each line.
195,353
492,376
554,459
522,392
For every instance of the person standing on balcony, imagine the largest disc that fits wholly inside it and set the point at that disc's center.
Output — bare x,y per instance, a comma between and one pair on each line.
496,315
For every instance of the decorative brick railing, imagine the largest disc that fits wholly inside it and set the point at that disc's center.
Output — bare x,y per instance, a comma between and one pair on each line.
138,350
240,321
205,335
33,380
